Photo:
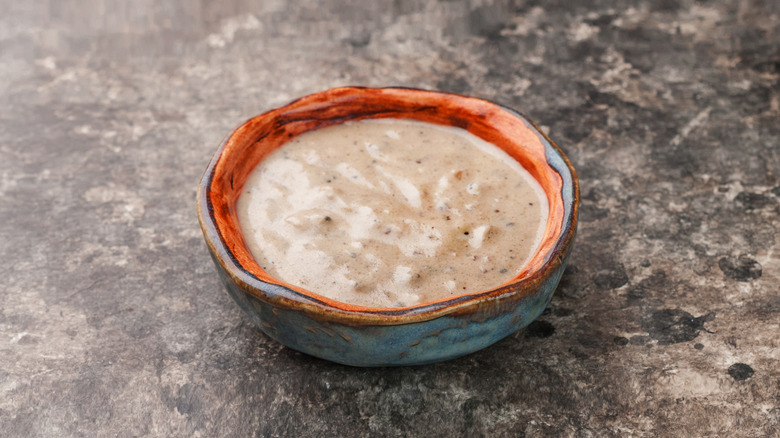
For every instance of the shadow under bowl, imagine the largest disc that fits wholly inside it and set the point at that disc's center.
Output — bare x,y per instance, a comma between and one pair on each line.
366,336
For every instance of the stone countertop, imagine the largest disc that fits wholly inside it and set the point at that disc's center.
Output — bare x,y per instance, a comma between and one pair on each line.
112,318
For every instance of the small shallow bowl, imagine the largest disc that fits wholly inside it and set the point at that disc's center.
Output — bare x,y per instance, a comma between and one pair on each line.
365,336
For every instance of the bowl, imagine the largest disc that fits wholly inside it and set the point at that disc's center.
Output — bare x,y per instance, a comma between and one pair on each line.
366,336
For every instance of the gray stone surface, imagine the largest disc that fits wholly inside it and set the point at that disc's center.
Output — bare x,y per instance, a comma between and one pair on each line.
112,319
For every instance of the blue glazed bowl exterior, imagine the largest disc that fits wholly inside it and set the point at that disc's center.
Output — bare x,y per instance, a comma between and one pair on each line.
439,339
387,337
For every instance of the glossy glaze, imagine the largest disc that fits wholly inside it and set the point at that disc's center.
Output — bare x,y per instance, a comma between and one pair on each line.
367,336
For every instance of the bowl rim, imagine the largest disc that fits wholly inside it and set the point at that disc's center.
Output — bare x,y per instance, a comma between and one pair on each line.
283,296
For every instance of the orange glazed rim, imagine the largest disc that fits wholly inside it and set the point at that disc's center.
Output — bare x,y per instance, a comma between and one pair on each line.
242,150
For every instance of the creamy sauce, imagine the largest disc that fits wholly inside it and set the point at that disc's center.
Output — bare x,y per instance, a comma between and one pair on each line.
391,213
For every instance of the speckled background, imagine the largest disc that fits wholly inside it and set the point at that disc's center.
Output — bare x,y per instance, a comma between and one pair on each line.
112,318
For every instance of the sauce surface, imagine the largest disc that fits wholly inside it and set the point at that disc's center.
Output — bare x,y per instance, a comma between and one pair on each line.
391,213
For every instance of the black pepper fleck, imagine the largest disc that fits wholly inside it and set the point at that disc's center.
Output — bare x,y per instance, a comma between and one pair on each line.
621,340
741,371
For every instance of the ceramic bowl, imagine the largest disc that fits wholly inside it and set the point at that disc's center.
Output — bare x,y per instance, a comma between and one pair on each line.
365,336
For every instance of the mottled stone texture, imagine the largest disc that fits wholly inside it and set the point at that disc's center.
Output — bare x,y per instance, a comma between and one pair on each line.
113,321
